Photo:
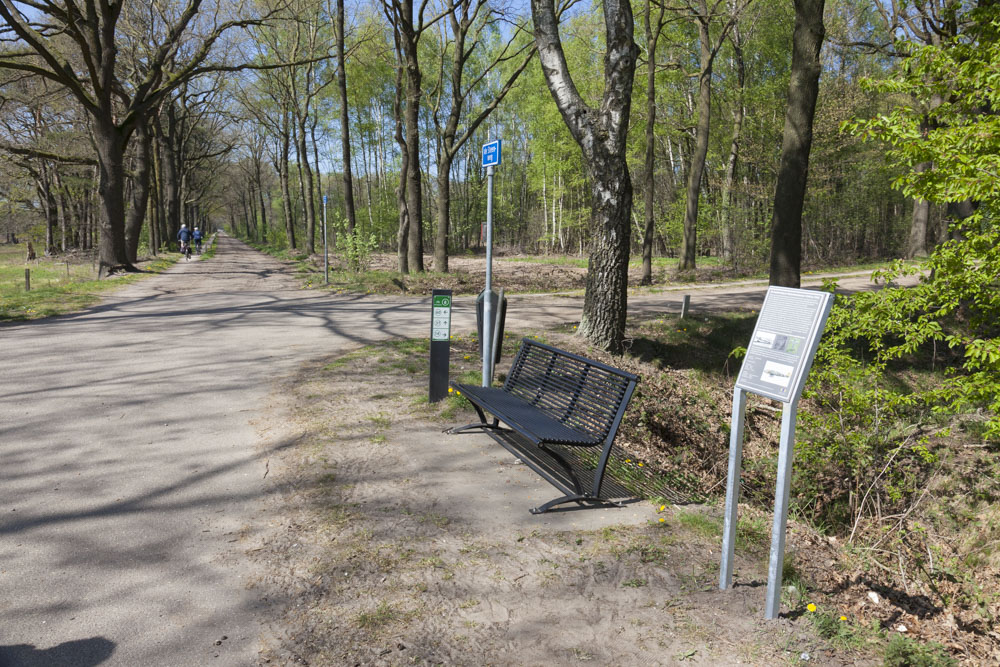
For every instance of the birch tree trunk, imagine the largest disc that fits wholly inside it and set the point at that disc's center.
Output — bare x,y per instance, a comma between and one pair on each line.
601,135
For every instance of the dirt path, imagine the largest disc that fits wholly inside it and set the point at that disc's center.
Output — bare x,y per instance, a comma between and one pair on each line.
134,478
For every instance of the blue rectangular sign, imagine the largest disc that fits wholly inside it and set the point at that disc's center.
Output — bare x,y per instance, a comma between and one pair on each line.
491,154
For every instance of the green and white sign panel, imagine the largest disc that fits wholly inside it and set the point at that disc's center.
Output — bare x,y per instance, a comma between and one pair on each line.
441,318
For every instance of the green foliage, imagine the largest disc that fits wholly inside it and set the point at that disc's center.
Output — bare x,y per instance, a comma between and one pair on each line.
356,247
953,84
905,652
859,446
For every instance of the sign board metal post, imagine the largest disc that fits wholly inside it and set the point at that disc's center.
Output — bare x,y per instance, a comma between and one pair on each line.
781,491
732,488
777,363
491,158
440,343
326,253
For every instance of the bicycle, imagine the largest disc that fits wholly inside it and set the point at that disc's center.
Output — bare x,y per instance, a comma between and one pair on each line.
186,250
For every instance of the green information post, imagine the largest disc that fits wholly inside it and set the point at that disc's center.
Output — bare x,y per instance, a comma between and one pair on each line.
440,343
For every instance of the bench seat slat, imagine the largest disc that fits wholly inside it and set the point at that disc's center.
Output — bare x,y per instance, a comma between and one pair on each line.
525,418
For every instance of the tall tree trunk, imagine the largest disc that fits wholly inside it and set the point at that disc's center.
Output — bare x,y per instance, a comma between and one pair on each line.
789,195
652,37
402,201
306,185
916,244
689,242
729,226
443,212
283,177
601,134
414,184
111,190
263,206
140,192
171,186
345,128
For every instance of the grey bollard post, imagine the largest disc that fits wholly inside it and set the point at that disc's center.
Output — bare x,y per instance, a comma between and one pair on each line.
685,305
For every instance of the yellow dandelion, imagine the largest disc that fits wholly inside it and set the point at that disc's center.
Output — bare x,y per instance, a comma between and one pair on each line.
628,460
811,607
663,508
662,520
843,618
451,390
458,393
640,465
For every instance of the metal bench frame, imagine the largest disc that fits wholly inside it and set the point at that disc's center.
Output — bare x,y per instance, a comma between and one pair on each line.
554,397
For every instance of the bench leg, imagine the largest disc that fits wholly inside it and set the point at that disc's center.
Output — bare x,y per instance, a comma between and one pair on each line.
574,498
468,427
481,425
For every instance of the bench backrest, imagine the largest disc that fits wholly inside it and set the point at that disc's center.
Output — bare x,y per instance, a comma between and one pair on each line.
583,394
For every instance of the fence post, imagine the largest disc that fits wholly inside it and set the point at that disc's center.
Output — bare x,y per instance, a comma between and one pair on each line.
27,280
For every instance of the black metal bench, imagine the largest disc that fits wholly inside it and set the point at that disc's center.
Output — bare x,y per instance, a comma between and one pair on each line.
553,400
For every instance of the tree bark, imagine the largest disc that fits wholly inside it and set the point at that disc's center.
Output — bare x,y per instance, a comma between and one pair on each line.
803,89
414,185
306,183
345,128
689,239
729,226
140,193
601,135
652,37
111,189
286,193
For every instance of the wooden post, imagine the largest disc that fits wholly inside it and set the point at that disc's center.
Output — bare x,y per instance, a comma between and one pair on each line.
27,280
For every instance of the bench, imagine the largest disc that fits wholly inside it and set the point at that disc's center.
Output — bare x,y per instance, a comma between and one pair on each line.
552,401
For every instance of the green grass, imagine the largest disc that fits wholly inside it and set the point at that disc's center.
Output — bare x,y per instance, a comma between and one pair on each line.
52,291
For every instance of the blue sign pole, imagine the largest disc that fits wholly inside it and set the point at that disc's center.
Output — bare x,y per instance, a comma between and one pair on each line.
491,158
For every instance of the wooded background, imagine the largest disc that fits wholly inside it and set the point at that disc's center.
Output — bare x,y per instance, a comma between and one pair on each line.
242,116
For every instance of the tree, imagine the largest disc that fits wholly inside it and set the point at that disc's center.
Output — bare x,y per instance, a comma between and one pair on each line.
652,37
345,127
92,74
409,24
789,194
466,29
601,135
708,47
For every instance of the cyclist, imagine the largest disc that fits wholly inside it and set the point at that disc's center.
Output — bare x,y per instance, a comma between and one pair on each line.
184,236
197,236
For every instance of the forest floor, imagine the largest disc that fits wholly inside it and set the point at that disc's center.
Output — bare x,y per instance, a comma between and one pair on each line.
524,274
400,545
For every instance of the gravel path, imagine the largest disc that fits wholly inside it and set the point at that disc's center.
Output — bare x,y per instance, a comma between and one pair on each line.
133,474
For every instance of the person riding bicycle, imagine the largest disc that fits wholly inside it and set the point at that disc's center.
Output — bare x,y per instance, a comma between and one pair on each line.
184,236
197,236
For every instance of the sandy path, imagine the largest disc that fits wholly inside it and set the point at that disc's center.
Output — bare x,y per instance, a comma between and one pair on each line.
132,475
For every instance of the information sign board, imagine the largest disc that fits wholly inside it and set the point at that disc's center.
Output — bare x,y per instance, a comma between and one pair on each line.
783,342
441,318
491,154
